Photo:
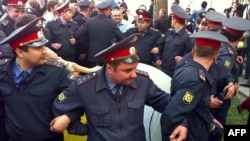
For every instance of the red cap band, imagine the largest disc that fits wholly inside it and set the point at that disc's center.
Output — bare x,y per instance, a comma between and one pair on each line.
123,53
233,31
178,18
207,42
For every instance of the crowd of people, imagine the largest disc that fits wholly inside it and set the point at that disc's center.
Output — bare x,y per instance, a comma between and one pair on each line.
60,60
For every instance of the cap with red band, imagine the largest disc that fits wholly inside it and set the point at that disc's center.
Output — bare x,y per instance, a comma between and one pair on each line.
236,25
64,7
123,50
28,35
215,18
16,3
143,14
209,38
179,13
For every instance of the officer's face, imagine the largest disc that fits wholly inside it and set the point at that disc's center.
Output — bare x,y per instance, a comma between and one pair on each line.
142,25
123,74
35,56
14,12
67,15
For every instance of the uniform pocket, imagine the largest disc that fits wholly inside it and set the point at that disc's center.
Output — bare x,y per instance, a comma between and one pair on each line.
100,116
136,110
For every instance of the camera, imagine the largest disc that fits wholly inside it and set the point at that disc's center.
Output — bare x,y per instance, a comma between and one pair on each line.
215,129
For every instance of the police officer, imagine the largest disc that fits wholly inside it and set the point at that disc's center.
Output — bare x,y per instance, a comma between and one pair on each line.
174,42
113,98
227,68
191,87
149,37
61,33
15,8
101,32
83,13
82,45
29,83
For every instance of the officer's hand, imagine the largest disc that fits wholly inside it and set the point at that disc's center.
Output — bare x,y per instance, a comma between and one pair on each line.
59,124
155,50
215,103
158,63
72,40
56,46
177,59
215,121
240,59
179,134
230,89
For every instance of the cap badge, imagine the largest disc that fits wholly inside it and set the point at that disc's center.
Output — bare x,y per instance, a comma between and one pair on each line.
19,3
140,16
40,34
132,50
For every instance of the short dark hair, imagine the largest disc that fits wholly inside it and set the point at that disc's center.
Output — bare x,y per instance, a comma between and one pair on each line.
204,4
51,4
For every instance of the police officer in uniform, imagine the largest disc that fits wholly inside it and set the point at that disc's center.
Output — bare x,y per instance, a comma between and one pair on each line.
15,8
61,33
82,44
83,13
113,98
29,84
174,42
191,87
227,68
149,37
101,32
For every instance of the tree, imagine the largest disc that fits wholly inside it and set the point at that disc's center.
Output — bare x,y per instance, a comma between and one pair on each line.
160,4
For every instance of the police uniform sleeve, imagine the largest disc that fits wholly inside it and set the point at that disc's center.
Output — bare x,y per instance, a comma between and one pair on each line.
183,102
68,102
78,128
224,65
81,33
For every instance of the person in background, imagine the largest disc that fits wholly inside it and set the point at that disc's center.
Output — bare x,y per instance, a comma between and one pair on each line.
245,105
197,13
51,14
116,15
28,79
14,10
60,33
147,43
236,7
161,22
113,98
191,87
99,37
174,42
83,13
124,9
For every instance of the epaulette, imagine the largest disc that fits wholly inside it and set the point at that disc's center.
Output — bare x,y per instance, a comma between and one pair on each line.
85,78
5,22
4,61
154,29
144,73
230,51
54,63
201,75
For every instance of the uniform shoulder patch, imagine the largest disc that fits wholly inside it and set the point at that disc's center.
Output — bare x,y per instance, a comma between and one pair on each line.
61,97
54,63
85,78
5,22
4,61
144,73
188,98
227,63
201,75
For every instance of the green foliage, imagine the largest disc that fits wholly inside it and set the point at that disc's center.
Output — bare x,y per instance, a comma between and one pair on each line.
233,117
